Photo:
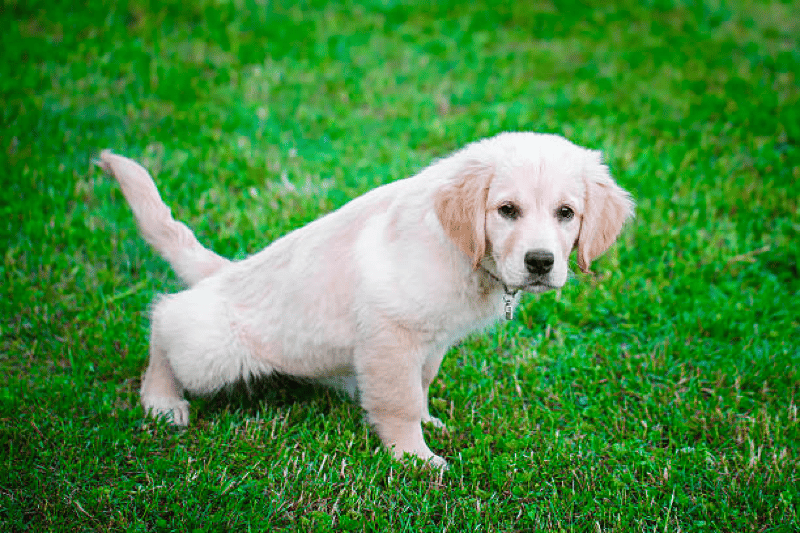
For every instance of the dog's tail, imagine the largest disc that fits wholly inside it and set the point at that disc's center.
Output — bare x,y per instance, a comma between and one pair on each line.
172,239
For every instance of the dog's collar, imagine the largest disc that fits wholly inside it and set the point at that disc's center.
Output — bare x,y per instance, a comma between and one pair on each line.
508,294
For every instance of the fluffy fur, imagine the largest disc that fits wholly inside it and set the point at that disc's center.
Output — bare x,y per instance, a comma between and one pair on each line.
371,296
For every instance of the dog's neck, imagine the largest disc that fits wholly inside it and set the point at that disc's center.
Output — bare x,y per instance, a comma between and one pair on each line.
508,294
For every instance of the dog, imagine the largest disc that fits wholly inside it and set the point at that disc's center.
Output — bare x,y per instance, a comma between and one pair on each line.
370,297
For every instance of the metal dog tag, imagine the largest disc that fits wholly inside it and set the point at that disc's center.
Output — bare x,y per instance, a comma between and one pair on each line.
508,300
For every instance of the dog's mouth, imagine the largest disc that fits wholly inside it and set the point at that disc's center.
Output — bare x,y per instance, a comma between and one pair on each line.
538,286
535,284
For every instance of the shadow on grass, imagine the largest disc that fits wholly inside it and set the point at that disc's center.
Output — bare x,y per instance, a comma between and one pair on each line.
276,391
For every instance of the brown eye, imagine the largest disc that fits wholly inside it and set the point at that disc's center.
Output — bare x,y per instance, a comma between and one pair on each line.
509,211
565,213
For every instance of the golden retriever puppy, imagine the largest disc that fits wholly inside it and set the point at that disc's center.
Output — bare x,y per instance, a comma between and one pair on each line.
370,297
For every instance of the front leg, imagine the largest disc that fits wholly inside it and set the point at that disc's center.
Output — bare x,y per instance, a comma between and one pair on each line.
429,370
389,367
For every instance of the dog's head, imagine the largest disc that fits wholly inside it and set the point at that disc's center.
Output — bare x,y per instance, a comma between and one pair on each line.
519,203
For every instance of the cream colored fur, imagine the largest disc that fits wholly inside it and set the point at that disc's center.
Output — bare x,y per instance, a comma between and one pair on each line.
370,297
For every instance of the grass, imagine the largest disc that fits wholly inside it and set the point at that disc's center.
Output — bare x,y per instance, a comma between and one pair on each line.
660,394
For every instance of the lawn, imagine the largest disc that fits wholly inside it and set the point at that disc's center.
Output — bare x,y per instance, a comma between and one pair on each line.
659,393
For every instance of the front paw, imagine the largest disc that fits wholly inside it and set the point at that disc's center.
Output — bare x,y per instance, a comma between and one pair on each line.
433,421
174,410
431,461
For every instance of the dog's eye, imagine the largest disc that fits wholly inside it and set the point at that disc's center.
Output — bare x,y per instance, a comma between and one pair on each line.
509,211
565,213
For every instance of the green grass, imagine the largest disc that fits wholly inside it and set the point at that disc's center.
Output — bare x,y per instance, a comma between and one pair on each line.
660,394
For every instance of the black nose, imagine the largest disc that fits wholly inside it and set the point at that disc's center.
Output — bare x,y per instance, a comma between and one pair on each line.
539,261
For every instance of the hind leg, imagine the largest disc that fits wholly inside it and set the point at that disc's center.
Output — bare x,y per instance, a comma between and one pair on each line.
162,393
196,345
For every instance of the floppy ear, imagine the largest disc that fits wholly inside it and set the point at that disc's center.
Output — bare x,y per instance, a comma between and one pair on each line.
461,208
607,206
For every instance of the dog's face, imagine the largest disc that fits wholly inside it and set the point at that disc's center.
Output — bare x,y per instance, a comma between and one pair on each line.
533,216
523,202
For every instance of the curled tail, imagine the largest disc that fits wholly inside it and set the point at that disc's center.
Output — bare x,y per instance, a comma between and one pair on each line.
172,239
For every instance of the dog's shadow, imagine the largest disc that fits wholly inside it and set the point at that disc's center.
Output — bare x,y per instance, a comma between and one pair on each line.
248,399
